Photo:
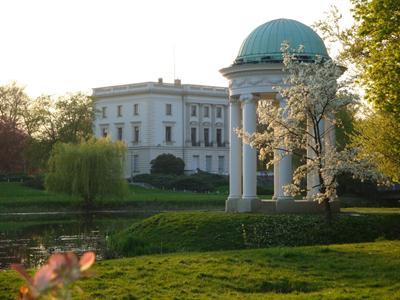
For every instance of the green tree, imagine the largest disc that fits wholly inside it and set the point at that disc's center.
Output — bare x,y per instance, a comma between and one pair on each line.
167,164
67,119
91,169
372,46
378,139
13,104
376,51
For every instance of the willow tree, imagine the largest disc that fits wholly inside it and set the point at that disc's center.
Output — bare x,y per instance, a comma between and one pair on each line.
91,169
305,127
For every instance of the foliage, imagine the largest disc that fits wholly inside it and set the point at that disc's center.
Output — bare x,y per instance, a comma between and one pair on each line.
304,125
199,182
345,119
13,104
12,147
36,182
90,169
167,164
211,231
371,45
54,279
351,271
376,51
378,139
66,119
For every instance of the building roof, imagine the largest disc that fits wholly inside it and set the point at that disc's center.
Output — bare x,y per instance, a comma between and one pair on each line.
264,43
161,88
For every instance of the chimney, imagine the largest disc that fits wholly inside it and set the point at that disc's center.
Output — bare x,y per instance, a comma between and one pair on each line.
177,82
160,81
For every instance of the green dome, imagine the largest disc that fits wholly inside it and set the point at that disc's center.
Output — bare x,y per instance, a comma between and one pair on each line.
265,42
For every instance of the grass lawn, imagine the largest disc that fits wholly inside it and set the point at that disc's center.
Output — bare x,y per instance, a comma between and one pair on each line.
372,210
15,197
352,271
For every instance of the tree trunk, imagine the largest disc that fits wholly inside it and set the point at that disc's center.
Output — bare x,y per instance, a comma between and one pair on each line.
328,211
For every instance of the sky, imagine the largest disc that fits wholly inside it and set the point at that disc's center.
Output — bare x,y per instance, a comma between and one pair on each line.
59,46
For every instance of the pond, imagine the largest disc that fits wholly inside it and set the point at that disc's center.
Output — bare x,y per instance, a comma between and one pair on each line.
30,238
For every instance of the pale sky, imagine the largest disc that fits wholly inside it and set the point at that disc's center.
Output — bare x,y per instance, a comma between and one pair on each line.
59,46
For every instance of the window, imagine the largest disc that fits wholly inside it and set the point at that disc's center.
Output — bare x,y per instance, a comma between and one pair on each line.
221,164
135,109
119,110
135,163
136,134
193,110
168,109
219,112
206,112
196,162
207,137
168,134
219,137
119,133
104,132
208,163
104,112
193,136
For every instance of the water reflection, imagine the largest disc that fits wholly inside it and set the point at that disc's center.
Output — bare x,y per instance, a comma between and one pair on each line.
31,238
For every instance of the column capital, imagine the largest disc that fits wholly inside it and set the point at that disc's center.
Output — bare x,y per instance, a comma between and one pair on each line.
245,98
233,100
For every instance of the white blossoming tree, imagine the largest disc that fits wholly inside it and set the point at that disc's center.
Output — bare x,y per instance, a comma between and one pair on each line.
305,127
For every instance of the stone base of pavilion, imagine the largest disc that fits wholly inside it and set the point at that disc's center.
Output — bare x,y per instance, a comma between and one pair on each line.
286,206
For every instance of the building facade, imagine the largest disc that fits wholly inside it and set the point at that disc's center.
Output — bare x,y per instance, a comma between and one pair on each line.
152,118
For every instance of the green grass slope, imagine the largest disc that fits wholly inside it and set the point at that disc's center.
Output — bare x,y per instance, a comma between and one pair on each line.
210,231
352,271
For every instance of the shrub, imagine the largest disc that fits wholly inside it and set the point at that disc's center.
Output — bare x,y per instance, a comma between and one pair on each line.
160,181
35,182
90,169
199,182
167,164
192,183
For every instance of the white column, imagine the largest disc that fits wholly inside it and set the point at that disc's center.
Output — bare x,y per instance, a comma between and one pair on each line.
235,157
249,153
330,132
284,167
276,176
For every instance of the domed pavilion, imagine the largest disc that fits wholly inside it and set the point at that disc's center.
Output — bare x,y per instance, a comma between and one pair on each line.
257,68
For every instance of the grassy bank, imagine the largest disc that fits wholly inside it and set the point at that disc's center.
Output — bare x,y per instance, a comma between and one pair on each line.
209,231
15,197
353,271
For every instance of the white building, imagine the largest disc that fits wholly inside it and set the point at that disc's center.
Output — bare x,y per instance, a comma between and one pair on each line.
152,118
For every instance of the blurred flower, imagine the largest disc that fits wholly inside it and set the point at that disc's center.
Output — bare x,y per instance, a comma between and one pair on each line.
53,279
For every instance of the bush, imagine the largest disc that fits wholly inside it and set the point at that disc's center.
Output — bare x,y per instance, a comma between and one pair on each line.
192,183
211,231
262,190
91,169
199,182
35,182
369,192
160,181
167,164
